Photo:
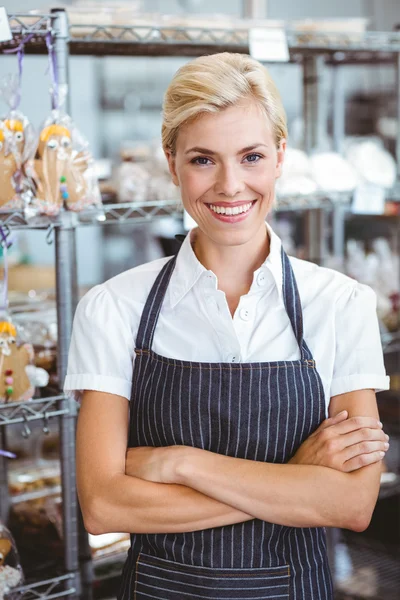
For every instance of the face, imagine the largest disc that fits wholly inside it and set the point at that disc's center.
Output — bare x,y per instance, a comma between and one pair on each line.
226,165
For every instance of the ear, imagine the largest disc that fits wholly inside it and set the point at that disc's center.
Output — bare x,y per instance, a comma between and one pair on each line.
172,167
280,158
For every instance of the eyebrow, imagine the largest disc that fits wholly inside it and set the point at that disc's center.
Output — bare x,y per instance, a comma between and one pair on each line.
212,153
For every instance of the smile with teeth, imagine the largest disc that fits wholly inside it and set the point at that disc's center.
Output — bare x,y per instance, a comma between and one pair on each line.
234,210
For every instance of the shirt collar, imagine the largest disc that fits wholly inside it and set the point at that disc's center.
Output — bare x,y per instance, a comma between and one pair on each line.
188,269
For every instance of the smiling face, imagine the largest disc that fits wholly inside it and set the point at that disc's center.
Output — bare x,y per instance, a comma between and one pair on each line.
226,165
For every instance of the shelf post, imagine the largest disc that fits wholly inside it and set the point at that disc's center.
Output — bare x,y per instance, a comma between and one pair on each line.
67,295
338,109
60,27
315,121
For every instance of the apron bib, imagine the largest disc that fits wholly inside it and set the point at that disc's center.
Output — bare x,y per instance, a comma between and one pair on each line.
257,411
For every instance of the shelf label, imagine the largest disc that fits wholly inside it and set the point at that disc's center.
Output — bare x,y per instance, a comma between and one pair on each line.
5,31
369,199
269,45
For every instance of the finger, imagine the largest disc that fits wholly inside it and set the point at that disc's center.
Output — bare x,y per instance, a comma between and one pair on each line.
362,461
364,448
363,435
355,423
332,421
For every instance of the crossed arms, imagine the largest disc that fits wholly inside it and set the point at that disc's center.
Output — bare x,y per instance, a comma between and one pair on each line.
333,479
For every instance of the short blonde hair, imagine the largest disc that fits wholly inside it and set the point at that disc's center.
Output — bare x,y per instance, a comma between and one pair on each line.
209,84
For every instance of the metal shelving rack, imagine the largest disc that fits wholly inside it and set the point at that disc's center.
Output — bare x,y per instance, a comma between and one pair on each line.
313,51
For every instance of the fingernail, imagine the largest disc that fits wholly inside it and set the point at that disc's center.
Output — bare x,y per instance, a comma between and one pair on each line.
380,424
386,446
387,437
381,454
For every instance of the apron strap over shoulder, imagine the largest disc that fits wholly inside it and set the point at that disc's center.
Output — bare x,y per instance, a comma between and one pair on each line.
151,311
293,305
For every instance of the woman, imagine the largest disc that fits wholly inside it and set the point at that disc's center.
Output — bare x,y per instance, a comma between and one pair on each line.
231,356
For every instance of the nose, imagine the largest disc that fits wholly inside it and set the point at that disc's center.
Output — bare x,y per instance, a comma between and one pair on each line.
229,181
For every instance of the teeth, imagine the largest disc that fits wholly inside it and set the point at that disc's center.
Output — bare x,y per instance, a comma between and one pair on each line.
235,210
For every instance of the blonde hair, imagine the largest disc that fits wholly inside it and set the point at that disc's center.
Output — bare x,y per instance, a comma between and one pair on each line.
209,84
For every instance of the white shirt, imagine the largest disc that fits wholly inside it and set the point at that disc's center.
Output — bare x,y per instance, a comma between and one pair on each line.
340,324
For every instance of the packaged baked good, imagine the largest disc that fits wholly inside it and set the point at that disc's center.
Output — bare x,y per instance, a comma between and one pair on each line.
15,385
11,574
17,146
64,168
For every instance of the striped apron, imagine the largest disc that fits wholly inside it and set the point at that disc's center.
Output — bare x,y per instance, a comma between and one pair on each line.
256,411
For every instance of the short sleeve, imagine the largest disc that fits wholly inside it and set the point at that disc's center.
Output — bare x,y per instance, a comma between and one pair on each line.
102,347
359,357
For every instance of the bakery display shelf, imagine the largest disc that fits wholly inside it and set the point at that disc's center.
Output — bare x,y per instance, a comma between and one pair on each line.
126,212
141,212
190,41
374,573
167,40
33,410
36,494
315,201
32,27
57,587
109,213
107,567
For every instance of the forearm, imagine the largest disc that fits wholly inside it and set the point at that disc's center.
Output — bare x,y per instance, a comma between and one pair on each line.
129,504
291,495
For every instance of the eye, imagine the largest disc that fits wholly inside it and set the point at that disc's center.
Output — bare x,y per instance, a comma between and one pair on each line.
19,136
1,146
253,158
200,160
52,144
11,340
65,142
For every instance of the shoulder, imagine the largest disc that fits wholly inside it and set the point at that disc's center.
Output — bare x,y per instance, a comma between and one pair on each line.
327,285
123,295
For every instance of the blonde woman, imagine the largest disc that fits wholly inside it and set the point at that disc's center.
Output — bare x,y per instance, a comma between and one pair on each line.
228,410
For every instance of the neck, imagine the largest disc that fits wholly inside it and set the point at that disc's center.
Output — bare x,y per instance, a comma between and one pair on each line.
234,266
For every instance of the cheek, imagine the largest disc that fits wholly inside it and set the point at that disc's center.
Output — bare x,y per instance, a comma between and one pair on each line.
194,184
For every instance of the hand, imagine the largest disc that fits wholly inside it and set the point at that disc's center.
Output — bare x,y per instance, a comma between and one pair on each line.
344,444
153,464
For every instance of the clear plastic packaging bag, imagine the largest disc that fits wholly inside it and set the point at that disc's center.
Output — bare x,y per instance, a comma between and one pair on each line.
11,574
17,147
15,385
64,168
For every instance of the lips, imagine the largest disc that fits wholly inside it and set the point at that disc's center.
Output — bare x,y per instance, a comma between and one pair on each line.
231,211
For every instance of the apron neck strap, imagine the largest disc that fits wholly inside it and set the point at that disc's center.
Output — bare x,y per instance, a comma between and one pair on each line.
152,307
293,305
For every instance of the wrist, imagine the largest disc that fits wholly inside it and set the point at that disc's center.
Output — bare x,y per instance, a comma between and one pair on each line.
183,464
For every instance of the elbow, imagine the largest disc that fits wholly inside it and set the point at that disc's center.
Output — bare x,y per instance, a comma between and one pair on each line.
360,522
93,517
359,517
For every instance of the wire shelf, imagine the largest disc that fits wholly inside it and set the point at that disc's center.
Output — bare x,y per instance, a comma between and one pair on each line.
46,590
34,25
141,212
165,40
33,410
